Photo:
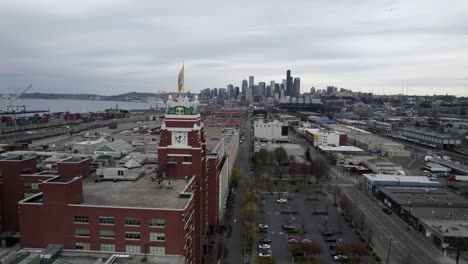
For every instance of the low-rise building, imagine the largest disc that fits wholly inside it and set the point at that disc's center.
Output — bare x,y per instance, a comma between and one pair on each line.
88,146
373,182
271,131
116,149
431,138
439,214
382,166
371,142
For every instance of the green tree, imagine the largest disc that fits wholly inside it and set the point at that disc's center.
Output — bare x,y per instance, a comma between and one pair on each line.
250,212
252,197
236,177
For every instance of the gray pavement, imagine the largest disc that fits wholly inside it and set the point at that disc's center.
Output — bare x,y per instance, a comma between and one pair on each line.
234,243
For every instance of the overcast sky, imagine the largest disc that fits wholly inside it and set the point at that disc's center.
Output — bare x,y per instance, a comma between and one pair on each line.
112,46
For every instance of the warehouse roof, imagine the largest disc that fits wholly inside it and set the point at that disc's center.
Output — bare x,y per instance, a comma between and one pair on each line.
144,193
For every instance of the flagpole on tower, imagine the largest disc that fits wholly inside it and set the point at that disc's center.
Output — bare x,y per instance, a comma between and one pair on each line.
180,81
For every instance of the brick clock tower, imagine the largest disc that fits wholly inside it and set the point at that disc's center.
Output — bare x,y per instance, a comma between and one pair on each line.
182,154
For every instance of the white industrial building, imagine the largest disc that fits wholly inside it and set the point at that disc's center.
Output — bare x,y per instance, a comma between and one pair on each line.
371,181
116,149
87,147
271,131
131,171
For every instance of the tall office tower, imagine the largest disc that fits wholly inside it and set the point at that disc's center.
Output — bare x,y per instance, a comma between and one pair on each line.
272,85
329,89
297,86
276,89
283,83
230,90
251,81
289,84
261,88
215,92
335,90
244,86
236,92
268,91
312,90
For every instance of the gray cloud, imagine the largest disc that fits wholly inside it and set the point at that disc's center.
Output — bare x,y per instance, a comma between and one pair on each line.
110,47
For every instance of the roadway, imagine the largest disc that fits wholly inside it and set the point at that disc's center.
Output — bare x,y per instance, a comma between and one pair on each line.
234,243
408,243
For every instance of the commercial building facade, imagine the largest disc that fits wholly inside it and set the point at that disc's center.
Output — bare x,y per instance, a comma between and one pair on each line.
168,212
435,139
271,131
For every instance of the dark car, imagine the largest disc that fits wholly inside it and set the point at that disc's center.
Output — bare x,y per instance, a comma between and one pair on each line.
330,239
289,227
264,241
387,211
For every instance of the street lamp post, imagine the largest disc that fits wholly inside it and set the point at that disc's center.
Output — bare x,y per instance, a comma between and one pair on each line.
390,243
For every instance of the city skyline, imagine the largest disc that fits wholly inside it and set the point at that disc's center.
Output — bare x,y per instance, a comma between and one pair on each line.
117,47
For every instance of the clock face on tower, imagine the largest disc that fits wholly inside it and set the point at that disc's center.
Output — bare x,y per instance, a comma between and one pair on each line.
179,138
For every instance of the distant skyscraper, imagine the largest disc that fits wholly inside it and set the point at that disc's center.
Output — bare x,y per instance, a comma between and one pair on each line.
230,90
248,94
312,90
236,92
268,91
244,87
251,81
272,85
261,88
289,84
276,89
297,86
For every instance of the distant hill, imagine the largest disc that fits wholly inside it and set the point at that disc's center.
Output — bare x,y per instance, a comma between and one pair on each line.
127,97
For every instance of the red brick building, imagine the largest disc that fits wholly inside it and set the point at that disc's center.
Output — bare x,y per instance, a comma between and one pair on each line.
162,213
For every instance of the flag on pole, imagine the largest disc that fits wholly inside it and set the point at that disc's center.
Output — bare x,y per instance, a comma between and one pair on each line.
181,79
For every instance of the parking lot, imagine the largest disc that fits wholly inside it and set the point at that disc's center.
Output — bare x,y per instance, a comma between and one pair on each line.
310,216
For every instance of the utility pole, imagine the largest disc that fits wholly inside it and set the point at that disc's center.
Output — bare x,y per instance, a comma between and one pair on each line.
390,248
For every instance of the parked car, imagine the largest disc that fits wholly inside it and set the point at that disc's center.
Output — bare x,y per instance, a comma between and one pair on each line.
264,241
387,211
340,258
264,253
289,227
264,246
262,227
330,239
282,200
293,240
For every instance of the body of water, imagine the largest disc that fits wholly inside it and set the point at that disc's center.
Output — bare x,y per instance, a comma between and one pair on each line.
82,106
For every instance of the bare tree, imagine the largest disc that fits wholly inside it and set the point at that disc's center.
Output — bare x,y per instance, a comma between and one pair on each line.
320,168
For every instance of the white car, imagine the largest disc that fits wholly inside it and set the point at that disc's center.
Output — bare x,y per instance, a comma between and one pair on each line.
340,257
262,226
264,253
282,200
264,246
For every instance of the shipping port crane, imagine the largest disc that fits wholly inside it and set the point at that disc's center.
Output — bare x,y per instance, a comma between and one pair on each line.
12,103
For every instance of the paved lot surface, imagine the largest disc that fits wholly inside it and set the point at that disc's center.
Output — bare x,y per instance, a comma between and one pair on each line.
307,220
